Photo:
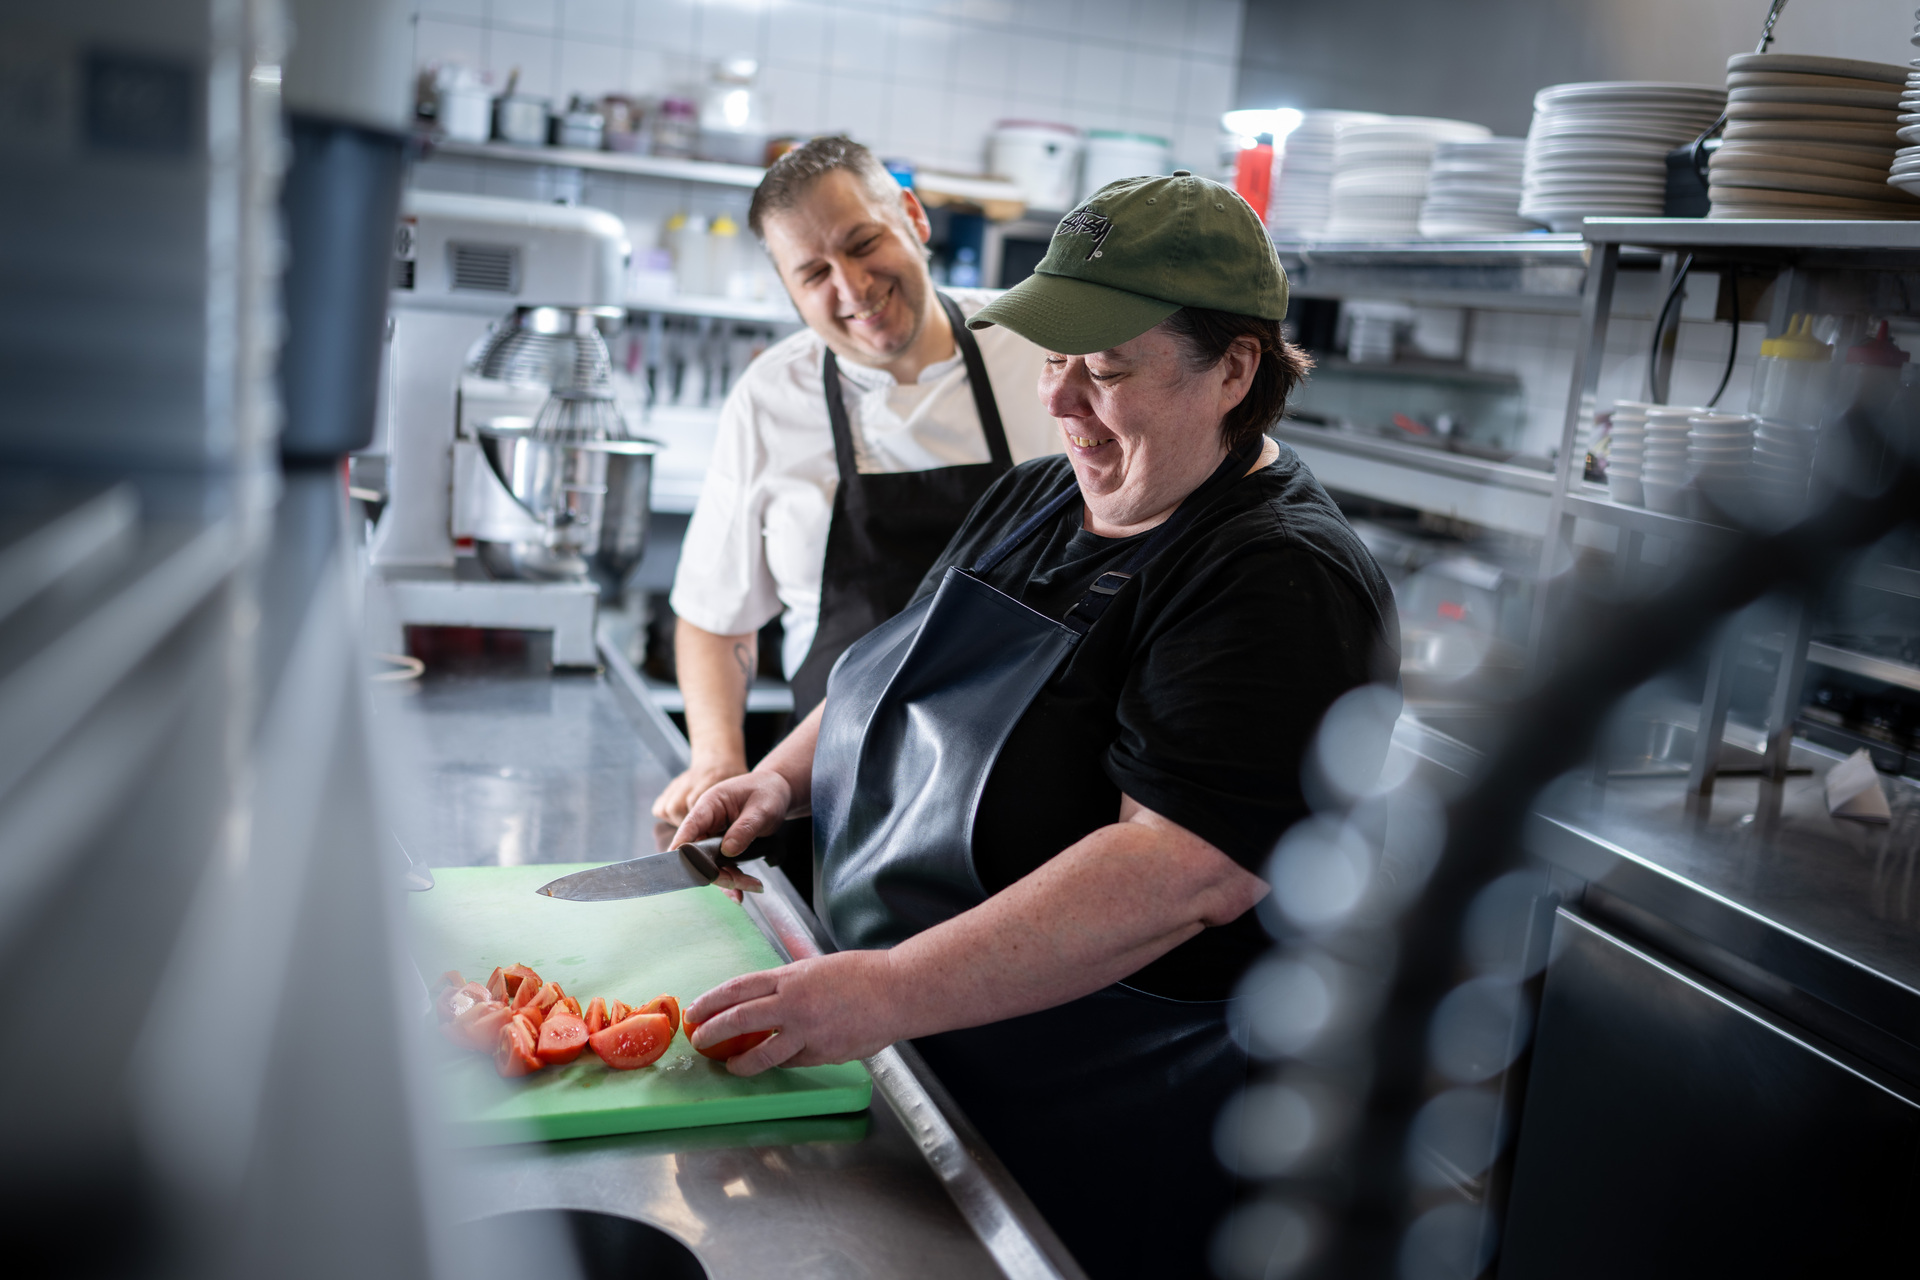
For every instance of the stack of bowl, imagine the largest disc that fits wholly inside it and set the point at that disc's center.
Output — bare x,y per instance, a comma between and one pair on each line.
1303,176
1474,189
1380,171
1810,137
1663,467
1626,452
1719,453
1782,462
1601,149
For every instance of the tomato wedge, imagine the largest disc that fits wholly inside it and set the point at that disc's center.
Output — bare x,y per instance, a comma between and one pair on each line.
516,1054
617,1012
596,1015
562,1038
478,1028
633,1042
497,983
548,996
517,976
455,1001
731,1047
571,1005
663,1004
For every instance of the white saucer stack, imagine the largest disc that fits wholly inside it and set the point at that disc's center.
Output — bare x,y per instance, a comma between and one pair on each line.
1719,455
1906,161
1626,453
1380,170
1473,189
1302,196
1663,469
1601,149
1810,137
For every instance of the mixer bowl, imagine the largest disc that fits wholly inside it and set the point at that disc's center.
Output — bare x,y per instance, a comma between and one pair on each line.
591,498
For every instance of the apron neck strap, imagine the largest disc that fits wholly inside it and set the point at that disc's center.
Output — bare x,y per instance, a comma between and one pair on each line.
988,409
1094,603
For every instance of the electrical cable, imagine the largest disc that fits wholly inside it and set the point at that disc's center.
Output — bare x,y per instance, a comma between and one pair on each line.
1733,344
1660,326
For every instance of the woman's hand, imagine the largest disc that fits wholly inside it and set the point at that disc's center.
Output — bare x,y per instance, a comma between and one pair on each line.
673,804
826,1009
742,809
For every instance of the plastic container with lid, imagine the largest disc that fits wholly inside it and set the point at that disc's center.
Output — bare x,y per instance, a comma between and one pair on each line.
1792,378
686,237
723,260
1113,154
1040,158
1870,374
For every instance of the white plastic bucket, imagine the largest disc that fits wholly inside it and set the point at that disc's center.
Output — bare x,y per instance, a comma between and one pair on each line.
1041,159
1113,155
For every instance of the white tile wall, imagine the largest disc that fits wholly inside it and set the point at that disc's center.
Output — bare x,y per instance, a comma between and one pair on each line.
924,79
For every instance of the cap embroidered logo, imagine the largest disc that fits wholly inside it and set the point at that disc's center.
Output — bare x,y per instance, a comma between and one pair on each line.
1085,222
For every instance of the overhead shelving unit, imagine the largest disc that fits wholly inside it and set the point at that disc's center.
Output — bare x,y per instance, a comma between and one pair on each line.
1868,268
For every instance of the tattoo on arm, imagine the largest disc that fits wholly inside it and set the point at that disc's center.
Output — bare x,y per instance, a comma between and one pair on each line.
748,658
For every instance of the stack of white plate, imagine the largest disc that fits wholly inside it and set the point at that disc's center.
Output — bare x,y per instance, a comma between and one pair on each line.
1719,454
1380,170
1601,149
1626,453
1906,161
1782,462
1302,196
1663,468
1473,189
1809,137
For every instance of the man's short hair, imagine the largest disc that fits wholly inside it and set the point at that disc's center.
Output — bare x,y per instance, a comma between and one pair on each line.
794,173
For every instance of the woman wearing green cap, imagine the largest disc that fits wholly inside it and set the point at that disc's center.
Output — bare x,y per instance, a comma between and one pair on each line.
1043,793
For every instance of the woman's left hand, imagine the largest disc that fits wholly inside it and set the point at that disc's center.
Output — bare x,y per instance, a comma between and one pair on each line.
824,1009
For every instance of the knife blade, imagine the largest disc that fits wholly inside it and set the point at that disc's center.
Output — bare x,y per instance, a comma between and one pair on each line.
691,866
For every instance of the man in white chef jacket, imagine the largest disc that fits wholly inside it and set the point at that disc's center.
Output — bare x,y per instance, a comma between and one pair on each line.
831,535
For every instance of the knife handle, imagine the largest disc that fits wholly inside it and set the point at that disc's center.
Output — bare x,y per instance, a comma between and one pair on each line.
706,857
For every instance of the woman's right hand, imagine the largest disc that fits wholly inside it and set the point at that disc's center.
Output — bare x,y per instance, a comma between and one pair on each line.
742,809
673,804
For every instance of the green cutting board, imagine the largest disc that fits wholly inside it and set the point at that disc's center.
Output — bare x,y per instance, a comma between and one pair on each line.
678,944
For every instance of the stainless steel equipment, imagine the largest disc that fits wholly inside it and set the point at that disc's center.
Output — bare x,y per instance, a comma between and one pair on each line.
513,499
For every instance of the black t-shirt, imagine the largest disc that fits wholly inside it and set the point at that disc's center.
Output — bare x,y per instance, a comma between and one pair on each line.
1198,691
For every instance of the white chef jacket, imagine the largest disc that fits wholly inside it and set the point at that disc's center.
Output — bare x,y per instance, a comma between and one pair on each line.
757,542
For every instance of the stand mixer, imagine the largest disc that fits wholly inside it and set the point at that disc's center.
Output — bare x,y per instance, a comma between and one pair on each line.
514,497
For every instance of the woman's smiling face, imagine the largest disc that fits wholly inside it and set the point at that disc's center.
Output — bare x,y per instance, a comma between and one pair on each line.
1142,425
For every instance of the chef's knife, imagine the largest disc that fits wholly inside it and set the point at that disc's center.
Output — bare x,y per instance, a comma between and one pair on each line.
691,866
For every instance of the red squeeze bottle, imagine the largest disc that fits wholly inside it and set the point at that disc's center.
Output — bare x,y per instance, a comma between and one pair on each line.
1253,174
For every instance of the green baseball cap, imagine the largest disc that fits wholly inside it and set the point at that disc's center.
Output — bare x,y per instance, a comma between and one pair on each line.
1134,253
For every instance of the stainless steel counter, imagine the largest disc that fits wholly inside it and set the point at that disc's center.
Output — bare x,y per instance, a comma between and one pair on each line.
1812,917
520,766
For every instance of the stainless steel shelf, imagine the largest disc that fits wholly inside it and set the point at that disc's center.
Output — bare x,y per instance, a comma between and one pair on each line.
1495,495
1644,520
1788,235
722,175
770,311
1885,670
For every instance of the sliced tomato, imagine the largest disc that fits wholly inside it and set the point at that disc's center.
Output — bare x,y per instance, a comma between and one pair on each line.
516,1052
479,1027
596,1014
523,995
663,1004
562,1037
534,1014
634,1041
458,1000
617,1012
497,983
548,996
731,1047
517,976
452,978
571,1005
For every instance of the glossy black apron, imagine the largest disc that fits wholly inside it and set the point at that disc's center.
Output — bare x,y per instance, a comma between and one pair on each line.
888,528
1104,1107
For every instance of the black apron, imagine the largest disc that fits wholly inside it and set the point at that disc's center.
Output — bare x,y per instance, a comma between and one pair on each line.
1104,1107
887,529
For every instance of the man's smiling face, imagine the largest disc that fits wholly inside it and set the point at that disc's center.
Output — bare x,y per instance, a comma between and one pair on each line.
854,267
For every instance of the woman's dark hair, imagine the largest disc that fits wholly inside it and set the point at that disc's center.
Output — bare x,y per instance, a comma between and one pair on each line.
1206,337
